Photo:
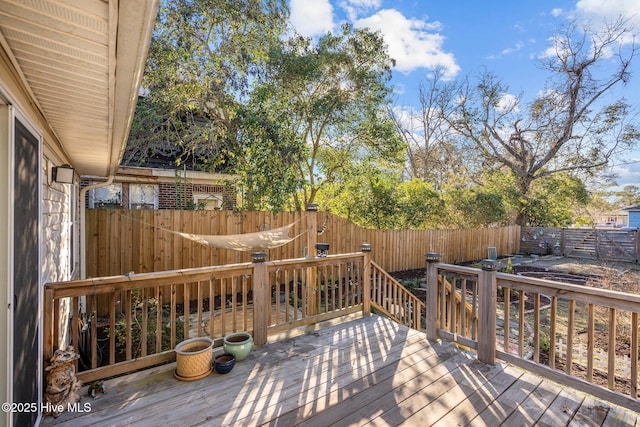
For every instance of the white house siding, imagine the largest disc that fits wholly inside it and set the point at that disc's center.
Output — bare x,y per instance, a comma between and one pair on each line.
57,228
55,210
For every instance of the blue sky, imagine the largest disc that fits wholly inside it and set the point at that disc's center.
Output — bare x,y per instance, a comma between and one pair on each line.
468,36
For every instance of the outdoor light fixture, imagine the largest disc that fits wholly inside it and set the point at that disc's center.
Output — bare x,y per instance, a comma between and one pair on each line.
63,174
488,265
258,256
432,257
312,207
323,249
366,247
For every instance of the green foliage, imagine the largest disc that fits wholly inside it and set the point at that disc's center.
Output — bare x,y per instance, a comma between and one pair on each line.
202,58
553,200
474,207
330,96
379,199
152,325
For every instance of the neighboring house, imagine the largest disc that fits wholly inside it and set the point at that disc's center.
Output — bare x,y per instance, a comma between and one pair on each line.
69,78
634,216
615,220
153,188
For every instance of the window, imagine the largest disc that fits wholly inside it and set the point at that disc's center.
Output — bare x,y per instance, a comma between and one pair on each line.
207,202
143,196
109,196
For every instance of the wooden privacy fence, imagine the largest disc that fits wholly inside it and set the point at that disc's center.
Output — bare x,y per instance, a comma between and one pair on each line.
604,244
123,241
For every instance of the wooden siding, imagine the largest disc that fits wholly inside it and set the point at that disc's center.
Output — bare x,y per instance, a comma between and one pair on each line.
122,241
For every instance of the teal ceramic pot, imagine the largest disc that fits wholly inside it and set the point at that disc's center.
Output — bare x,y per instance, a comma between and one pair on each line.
239,344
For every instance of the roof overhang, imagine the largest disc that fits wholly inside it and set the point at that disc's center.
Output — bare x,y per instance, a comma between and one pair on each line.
82,62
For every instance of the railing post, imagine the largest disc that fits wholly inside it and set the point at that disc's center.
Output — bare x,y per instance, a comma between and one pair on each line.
366,279
312,240
261,298
487,294
431,303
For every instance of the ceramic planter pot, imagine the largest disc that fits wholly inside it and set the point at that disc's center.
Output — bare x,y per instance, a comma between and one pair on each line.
224,363
239,344
193,358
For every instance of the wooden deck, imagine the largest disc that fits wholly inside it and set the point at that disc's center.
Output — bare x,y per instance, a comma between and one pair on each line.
368,371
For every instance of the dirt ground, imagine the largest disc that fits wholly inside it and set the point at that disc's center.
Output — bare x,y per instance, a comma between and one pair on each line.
619,276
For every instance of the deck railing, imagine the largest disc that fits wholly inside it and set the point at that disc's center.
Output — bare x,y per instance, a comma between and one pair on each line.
539,325
394,300
124,323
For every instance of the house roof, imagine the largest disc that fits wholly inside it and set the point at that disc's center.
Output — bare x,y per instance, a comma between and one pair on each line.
82,62
632,209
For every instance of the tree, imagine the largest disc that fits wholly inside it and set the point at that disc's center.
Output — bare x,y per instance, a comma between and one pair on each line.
431,147
333,95
203,56
627,197
379,199
568,127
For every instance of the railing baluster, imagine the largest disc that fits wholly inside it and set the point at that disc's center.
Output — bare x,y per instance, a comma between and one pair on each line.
212,300
474,312
634,355
590,341
144,323
245,297
172,315
94,331
536,327
223,306
569,356
507,317
186,309
552,331
464,327
159,303
234,301
200,302
521,303
112,329
128,322
75,325
611,351
451,317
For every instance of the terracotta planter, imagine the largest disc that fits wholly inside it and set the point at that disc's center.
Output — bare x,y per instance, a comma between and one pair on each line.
239,344
193,358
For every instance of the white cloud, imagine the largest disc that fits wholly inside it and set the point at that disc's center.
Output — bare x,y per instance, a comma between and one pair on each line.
609,8
508,102
412,42
556,12
311,18
627,173
516,48
354,8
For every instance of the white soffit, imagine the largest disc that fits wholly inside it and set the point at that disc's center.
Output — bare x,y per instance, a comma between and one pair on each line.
83,62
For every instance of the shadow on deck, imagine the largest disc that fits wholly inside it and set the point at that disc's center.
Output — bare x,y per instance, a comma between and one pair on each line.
366,371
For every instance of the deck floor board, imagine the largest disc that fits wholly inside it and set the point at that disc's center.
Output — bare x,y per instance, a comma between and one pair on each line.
368,371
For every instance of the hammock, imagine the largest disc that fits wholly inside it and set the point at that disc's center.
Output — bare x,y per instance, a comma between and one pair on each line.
244,242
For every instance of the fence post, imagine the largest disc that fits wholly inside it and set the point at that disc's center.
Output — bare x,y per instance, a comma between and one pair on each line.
431,304
261,298
366,279
487,289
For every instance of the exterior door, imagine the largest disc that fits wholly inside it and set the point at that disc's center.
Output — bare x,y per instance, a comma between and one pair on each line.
26,267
